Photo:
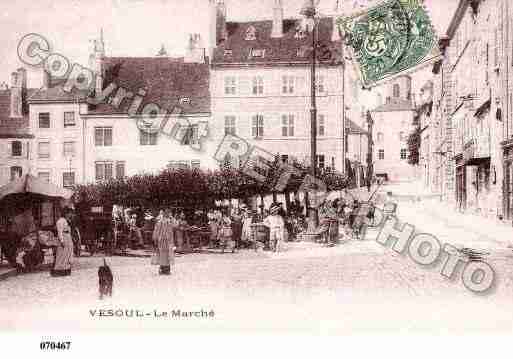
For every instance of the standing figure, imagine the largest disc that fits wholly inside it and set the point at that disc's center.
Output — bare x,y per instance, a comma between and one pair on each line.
237,227
276,227
180,233
163,237
247,221
214,224
62,266
226,233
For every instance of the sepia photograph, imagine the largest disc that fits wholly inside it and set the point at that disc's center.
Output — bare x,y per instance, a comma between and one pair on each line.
314,167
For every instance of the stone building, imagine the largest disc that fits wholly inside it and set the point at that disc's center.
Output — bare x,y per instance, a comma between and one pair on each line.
466,101
15,135
260,85
393,122
428,137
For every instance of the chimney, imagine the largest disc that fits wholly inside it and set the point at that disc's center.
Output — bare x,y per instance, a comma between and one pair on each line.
221,33
46,79
97,53
18,89
195,51
277,30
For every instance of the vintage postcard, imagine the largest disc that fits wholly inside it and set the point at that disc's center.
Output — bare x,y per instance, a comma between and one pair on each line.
240,166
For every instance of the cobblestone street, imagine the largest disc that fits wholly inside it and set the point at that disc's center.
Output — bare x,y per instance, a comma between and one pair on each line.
357,285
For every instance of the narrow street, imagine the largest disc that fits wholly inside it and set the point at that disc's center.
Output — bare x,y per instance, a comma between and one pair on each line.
355,286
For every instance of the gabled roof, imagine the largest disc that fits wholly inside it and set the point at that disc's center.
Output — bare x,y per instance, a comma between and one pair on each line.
167,81
277,50
12,127
353,129
56,93
395,104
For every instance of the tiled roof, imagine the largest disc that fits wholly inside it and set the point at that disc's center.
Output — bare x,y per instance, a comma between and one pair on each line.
167,82
57,94
277,50
395,104
12,127
353,128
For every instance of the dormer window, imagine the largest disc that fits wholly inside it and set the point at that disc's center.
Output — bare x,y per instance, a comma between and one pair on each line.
250,33
259,53
228,53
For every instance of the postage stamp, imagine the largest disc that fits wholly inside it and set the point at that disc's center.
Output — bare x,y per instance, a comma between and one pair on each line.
389,39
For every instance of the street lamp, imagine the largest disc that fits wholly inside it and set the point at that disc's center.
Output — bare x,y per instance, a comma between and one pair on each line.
308,10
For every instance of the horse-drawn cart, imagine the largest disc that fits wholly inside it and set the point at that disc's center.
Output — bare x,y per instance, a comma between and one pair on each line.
29,208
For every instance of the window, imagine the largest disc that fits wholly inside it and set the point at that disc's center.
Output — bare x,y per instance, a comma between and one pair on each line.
404,153
68,149
333,162
16,147
250,33
381,154
44,120
103,171
43,149
258,53
288,84
69,119
16,172
228,52
147,138
258,85
103,136
257,128
68,179
319,84
284,158
320,161
229,125
230,85
192,136
44,176
195,164
381,136
287,125
321,125
120,169
396,91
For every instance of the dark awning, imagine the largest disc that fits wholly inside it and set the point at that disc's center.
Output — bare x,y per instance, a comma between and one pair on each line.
483,108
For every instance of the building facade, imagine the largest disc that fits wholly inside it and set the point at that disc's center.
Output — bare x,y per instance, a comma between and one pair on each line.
15,135
260,86
466,103
393,122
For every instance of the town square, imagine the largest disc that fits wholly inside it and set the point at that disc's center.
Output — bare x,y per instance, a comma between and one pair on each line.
282,166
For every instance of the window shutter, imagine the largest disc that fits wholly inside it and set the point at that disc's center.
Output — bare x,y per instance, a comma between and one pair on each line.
244,85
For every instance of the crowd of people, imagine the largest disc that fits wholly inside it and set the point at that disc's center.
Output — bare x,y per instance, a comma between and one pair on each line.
168,231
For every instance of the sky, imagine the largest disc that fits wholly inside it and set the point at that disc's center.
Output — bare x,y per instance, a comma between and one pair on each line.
138,27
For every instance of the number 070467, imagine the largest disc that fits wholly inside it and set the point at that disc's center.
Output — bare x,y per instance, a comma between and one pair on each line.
54,345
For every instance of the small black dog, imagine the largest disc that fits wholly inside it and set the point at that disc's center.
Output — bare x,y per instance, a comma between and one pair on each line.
105,280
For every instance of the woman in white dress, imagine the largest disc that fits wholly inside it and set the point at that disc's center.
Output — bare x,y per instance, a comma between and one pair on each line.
62,266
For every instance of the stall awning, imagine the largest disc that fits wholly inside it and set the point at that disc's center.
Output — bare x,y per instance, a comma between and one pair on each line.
30,184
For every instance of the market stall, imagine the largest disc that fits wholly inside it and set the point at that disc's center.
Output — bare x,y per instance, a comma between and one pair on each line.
29,208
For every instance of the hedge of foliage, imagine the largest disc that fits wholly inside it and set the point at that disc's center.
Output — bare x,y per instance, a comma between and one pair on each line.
194,187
